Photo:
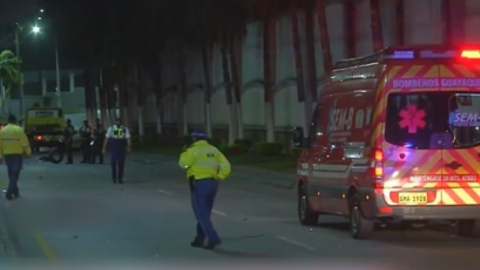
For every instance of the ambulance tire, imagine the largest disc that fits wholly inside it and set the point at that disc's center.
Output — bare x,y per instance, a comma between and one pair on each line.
469,228
361,228
306,216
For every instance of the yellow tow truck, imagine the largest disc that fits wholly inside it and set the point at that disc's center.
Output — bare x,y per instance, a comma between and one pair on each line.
45,128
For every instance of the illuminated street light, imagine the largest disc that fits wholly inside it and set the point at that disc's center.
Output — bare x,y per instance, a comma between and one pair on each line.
41,10
36,30
39,18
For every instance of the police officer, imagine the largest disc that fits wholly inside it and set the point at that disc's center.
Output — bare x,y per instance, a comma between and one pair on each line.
69,133
205,166
118,140
86,138
13,145
98,139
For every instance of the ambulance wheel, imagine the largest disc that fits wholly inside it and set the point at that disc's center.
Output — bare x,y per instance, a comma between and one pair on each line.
306,216
469,228
360,227
56,156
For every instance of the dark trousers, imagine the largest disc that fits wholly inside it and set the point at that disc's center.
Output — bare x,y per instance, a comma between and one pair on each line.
86,150
68,151
203,198
97,151
117,161
14,166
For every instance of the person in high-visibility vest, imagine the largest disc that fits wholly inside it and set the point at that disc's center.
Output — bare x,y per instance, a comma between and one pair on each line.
206,166
118,141
14,145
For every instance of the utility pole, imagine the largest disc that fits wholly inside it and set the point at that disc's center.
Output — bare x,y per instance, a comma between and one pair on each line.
57,65
20,86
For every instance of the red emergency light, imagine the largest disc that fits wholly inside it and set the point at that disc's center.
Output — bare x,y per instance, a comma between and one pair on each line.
39,138
471,54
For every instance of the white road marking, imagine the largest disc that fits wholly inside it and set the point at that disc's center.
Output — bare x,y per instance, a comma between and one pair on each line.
293,242
218,212
165,192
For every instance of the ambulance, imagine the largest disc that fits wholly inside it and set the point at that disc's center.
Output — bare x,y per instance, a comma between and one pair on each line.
395,137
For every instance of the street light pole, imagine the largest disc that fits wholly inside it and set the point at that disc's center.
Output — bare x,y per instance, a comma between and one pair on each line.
59,97
20,86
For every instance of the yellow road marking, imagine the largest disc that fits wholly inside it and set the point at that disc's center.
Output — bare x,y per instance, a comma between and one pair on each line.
46,248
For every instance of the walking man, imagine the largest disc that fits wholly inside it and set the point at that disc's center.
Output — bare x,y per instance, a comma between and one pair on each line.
13,145
98,140
86,137
69,133
205,166
118,141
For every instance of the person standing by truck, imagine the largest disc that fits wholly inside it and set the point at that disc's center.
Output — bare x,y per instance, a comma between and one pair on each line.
98,139
68,134
118,141
86,138
13,145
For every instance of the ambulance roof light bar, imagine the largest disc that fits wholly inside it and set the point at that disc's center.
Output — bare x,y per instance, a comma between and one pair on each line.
471,54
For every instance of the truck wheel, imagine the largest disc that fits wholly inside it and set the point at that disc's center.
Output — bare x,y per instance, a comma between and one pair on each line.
469,228
306,216
360,227
56,156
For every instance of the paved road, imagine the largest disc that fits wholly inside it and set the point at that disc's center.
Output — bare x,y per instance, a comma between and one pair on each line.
73,215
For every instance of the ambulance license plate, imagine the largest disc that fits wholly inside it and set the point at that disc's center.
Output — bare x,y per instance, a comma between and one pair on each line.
413,197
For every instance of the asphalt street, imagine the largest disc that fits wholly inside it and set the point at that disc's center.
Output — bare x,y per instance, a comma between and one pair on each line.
73,216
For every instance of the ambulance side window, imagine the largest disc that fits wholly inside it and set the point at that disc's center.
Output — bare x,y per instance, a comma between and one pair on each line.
316,129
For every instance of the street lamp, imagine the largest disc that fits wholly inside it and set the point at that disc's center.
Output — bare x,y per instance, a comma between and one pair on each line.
36,30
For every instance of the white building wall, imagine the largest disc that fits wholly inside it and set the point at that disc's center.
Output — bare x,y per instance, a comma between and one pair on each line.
422,26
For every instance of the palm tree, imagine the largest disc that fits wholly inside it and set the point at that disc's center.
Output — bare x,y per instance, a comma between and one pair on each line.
376,25
9,74
304,104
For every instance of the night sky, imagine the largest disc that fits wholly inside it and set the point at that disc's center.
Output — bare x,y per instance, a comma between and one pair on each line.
37,52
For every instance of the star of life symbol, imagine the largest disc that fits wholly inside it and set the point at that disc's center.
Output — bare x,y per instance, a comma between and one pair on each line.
413,119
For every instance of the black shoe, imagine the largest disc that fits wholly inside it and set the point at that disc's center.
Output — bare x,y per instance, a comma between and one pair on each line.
212,245
197,243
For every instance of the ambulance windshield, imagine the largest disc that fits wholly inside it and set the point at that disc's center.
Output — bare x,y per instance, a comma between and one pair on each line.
414,120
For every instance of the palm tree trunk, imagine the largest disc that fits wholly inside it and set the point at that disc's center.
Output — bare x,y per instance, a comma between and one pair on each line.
376,25
139,96
228,90
269,73
90,93
350,30
183,90
324,36
310,34
305,108
102,94
158,95
123,93
400,22
235,68
207,77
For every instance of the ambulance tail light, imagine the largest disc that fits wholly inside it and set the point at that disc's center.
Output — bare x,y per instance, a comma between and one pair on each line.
377,167
471,54
38,138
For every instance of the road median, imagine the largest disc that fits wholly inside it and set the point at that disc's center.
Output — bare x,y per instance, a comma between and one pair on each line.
274,171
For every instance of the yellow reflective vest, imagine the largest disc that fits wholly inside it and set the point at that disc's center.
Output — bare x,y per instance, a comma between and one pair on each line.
203,161
13,141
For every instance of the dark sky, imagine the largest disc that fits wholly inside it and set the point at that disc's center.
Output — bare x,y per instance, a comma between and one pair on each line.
37,52
12,11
